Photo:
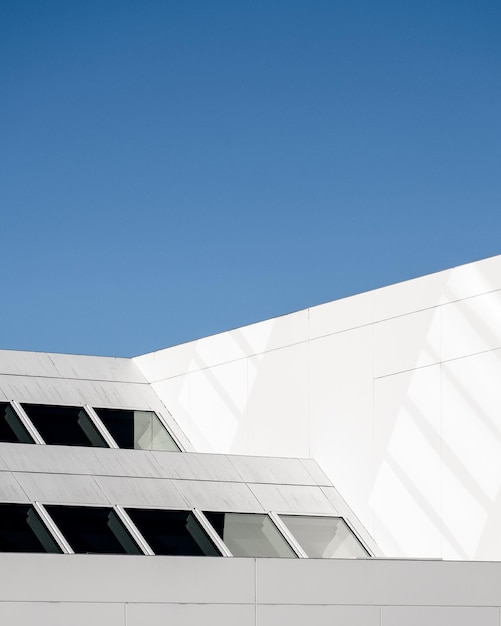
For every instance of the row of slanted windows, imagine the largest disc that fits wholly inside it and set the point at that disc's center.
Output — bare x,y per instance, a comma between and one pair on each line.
84,426
116,530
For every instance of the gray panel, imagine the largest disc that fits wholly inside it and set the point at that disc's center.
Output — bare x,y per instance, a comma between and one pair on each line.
103,578
51,365
61,614
60,488
271,470
26,363
439,616
115,395
215,496
75,392
337,500
292,499
123,463
3,464
96,368
142,492
319,615
41,390
190,614
378,581
10,490
197,466
78,460
316,472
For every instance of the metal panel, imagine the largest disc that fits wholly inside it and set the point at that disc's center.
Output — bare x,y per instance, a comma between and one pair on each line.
96,368
218,496
191,614
378,582
62,614
61,488
113,394
77,392
121,578
297,615
10,489
3,463
316,472
40,390
292,499
197,466
26,363
271,470
439,616
143,492
78,460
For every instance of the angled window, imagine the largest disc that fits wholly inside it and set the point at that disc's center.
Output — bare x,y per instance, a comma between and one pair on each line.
12,429
324,537
137,430
64,425
93,530
22,530
173,532
250,534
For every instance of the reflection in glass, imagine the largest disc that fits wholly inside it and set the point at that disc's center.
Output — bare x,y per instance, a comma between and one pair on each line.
137,430
173,532
324,537
22,530
64,425
96,530
250,534
12,429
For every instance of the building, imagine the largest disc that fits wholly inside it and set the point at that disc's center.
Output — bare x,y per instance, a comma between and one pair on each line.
339,465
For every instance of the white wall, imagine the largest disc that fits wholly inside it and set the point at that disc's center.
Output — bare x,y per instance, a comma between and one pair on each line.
103,590
396,394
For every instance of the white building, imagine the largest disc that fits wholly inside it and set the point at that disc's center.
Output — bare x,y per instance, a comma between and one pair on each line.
316,467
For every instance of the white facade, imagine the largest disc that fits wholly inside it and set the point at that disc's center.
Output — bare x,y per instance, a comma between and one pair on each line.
394,392
391,397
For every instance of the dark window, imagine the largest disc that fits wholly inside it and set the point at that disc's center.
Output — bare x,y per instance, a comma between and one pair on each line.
22,530
137,430
173,532
64,425
11,427
250,534
96,530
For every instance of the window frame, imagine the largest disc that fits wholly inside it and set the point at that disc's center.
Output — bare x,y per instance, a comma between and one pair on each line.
350,526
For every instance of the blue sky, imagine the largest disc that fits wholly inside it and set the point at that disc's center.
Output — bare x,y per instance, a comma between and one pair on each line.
169,170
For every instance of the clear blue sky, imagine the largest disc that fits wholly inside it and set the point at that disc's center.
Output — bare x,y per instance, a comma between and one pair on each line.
170,170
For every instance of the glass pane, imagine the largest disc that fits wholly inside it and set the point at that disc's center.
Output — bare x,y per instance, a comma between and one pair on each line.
137,430
22,530
96,530
173,532
324,537
64,425
12,429
250,534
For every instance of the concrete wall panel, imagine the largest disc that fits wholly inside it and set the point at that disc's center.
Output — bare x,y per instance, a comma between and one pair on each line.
190,614
61,614
297,615
439,616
